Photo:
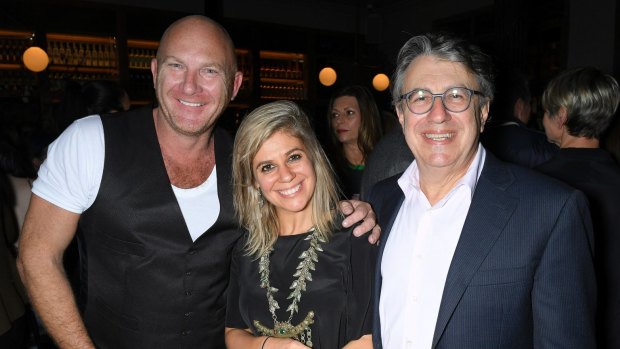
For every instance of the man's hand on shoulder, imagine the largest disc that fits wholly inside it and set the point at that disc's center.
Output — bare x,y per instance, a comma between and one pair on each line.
360,211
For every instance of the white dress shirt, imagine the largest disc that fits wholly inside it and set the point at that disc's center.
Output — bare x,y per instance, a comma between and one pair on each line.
417,257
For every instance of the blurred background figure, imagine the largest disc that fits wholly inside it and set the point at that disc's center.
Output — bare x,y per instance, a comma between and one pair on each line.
14,320
611,141
92,97
507,134
355,127
104,96
390,156
579,105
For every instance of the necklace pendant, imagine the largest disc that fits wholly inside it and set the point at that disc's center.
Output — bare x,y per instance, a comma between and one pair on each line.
283,330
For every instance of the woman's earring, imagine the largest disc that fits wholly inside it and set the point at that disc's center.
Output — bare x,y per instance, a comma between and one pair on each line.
261,200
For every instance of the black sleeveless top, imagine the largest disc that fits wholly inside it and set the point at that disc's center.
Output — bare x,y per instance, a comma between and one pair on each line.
146,283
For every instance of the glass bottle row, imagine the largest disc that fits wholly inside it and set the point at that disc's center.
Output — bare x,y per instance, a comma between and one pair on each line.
140,58
281,69
86,54
282,91
12,49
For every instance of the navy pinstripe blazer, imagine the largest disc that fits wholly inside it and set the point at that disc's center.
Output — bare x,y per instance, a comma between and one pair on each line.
522,275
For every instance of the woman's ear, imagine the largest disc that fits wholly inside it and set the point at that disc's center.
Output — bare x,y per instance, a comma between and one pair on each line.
562,117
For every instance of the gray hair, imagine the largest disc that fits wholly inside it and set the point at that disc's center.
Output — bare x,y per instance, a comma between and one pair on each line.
590,97
445,47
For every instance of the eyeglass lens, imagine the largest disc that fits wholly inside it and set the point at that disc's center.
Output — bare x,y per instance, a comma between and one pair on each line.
455,99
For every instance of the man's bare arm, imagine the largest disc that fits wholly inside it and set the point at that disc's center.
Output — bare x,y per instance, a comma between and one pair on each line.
48,230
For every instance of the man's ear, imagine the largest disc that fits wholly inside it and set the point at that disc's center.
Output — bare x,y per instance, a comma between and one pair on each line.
401,115
237,81
484,114
154,71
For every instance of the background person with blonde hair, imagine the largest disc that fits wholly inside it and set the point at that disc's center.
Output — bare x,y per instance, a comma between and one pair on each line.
298,280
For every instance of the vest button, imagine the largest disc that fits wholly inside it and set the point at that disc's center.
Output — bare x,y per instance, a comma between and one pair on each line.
186,332
188,273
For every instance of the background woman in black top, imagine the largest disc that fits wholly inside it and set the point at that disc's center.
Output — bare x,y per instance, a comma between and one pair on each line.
355,127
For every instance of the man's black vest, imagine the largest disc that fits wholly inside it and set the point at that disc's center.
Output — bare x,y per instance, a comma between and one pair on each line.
145,284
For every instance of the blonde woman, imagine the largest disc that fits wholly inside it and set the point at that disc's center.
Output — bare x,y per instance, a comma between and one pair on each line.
298,280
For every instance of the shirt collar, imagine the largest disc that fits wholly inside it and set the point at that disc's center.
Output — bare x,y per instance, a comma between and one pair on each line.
410,179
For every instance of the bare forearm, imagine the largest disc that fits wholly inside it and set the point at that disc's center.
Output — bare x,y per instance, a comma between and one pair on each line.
54,302
243,339
238,338
364,342
48,230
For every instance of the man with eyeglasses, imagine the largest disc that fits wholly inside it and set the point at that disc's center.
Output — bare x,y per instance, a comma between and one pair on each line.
476,253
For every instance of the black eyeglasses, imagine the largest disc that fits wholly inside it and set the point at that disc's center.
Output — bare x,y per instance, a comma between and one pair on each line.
454,99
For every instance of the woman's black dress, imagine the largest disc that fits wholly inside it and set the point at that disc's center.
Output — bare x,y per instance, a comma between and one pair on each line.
339,293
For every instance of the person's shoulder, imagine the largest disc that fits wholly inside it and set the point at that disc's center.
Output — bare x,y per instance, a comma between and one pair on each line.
522,178
385,194
88,122
513,134
391,144
343,238
386,185
240,245
83,130
340,232
550,166
223,139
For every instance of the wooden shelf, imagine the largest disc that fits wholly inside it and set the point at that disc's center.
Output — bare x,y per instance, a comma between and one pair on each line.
10,66
82,69
81,38
283,81
147,44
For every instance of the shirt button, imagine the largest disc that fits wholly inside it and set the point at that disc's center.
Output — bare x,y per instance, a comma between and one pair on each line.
188,293
186,332
189,313
188,273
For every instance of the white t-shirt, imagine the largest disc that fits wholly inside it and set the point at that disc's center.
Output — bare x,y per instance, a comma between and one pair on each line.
71,175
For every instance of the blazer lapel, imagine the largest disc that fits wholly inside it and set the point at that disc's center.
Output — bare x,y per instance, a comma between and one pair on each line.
388,211
489,212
